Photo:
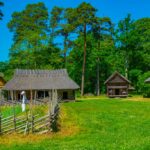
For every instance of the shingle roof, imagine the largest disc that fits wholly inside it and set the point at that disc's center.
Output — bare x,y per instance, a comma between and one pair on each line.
147,80
117,79
40,79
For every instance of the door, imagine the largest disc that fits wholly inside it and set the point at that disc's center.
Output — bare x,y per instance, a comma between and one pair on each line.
117,91
65,95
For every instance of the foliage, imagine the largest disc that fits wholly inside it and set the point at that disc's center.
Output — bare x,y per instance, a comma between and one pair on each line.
31,47
1,14
124,43
61,25
84,18
89,46
144,87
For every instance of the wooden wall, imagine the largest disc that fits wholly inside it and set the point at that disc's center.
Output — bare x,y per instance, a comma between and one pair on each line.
2,82
71,94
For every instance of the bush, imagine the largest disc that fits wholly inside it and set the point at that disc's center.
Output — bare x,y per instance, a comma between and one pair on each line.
144,87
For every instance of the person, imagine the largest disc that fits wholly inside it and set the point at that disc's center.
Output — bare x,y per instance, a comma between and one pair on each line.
23,105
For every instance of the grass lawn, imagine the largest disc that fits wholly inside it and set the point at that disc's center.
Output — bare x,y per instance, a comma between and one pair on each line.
92,124
7,111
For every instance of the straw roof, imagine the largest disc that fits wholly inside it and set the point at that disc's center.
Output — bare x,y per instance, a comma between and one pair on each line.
120,78
147,80
40,80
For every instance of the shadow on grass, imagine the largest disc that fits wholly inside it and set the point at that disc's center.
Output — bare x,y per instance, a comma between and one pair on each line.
78,101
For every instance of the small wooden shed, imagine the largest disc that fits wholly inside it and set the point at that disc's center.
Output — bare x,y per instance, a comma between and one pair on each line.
117,85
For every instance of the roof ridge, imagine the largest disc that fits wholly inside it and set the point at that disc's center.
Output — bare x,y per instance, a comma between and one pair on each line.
62,72
116,72
36,81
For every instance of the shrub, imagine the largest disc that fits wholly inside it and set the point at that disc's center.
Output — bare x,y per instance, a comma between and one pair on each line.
144,87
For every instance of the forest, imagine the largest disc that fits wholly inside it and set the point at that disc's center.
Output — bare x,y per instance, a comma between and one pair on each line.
89,46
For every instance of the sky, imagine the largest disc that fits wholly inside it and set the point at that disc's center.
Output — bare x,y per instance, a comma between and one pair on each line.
115,9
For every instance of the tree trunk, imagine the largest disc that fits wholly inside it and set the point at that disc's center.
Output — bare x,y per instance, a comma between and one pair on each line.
126,66
84,62
126,72
98,69
65,51
97,80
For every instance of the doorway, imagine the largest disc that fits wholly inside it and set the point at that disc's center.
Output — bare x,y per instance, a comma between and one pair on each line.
117,91
65,95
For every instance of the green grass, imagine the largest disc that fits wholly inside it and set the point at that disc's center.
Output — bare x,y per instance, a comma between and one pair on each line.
7,111
99,124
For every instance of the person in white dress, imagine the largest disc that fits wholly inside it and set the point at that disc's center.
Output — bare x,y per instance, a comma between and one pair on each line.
23,105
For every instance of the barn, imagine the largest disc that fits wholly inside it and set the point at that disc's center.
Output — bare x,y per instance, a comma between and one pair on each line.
38,83
117,85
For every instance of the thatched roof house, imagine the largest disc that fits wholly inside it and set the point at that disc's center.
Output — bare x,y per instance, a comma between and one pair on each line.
147,80
117,85
42,81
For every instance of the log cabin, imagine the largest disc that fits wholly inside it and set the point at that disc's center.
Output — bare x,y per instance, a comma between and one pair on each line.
40,83
117,85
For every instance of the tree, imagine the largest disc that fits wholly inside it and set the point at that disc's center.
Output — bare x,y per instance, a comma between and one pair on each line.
61,22
85,17
123,34
144,88
55,18
30,34
102,31
141,40
1,14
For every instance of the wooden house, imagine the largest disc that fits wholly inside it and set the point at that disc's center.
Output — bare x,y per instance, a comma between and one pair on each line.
39,83
117,85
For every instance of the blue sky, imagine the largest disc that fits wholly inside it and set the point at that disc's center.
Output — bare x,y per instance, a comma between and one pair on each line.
115,9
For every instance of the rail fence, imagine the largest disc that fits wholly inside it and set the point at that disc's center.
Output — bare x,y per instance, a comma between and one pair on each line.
29,123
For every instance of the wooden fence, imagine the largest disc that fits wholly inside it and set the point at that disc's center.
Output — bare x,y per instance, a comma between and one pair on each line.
9,102
29,123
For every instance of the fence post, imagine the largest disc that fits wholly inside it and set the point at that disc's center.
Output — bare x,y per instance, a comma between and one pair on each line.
50,104
32,124
14,122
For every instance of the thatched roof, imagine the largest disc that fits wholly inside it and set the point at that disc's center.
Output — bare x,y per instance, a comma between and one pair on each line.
40,80
116,77
147,80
